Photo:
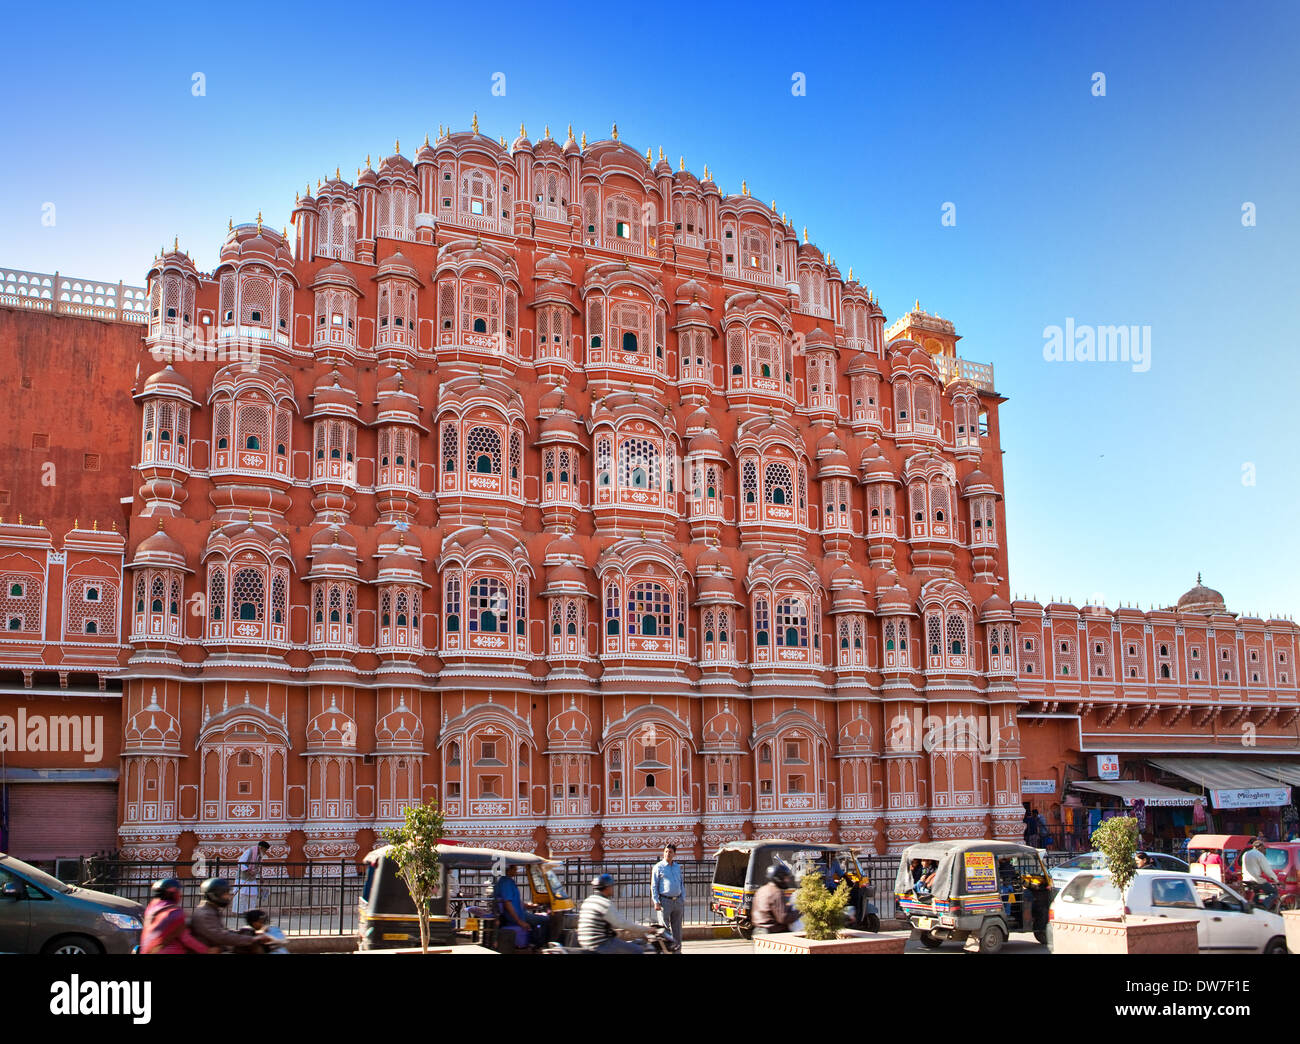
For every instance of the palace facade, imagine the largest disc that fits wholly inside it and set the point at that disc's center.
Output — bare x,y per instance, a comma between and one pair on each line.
554,484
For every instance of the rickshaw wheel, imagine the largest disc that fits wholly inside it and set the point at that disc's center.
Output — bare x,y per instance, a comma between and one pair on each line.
1289,902
991,939
1041,935
931,941
871,923
745,931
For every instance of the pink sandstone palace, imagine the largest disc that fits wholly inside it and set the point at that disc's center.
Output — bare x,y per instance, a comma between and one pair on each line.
553,484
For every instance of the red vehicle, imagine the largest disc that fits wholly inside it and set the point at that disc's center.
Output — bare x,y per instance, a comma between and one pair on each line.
1219,855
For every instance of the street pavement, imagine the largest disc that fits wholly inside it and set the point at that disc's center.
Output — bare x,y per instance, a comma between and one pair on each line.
1017,944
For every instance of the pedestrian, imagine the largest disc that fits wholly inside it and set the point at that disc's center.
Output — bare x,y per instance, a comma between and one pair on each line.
668,893
208,925
249,893
1044,832
1031,825
165,930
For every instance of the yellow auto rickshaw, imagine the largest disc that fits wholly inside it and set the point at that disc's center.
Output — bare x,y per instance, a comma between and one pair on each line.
465,902
741,870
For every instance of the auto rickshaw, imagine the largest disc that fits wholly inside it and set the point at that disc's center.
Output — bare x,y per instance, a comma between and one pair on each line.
1219,856
982,890
464,903
741,869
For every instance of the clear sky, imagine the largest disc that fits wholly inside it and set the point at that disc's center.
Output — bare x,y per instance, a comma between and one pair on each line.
1122,209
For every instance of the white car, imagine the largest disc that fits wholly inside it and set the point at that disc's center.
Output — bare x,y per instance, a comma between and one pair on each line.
1225,922
1063,873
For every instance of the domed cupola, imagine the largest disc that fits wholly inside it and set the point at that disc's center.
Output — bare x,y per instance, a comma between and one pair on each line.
1201,599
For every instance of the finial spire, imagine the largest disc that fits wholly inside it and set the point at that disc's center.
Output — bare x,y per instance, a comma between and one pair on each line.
744,187
397,146
584,139
614,132
681,162
474,125
805,233
522,133
570,133
259,221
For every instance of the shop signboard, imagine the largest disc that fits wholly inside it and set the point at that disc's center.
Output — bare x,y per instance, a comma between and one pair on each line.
1108,766
1037,786
1252,797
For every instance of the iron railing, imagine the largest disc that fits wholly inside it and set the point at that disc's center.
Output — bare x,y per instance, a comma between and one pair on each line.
309,898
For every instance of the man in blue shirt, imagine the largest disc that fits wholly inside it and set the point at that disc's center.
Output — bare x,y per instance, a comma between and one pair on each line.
512,911
668,893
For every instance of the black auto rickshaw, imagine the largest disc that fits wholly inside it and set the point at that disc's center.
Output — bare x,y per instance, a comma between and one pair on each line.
741,870
981,890
465,902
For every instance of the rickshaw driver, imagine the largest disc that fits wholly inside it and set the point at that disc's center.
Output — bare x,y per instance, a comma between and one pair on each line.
599,923
512,909
769,911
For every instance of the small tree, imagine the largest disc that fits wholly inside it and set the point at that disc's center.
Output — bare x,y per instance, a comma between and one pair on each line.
415,852
1117,840
822,909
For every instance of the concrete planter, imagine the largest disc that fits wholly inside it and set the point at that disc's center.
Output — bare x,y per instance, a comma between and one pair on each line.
1140,934
850,941
1291,918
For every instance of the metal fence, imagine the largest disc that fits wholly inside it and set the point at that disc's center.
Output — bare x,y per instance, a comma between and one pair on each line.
301,898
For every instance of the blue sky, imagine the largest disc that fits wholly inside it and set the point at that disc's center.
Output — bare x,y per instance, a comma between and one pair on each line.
1122,209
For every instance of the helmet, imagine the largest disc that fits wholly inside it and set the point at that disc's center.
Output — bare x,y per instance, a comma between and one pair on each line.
168,888
602,881
216,890
779,874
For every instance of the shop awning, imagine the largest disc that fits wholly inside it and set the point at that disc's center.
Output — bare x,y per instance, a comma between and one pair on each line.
1235,783
1152,794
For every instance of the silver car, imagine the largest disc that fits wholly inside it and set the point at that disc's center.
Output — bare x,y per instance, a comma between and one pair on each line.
41,914
1063,873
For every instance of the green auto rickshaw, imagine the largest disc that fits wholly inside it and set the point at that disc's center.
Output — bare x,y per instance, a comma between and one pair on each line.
981,890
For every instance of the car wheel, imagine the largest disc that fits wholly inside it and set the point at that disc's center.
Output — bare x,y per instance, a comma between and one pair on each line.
991,939
931,941
1276,945
1041,935
72,946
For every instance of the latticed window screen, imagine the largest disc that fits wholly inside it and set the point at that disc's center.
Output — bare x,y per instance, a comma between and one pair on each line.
603,461
612,609
253,424
174,603
255,300
762,621
489,605
778,485
638,464
934,634
447,304
623,220
279,598
95,614
803,490
755,247
248,595
449,444
903,401
282,432
736,351
217,593
480,308
21,601
591,211
227,297
516,455
923,404
629,326
749,480
956,634
595,322
649,610
792,622
157,595
477,193
575,617
766,351
284,306
483,451
939,499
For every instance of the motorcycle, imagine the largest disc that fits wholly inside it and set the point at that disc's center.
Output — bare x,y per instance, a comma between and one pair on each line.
657,940
1252,894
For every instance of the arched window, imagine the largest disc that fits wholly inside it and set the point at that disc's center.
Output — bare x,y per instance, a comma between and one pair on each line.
792,622
649,610
483,451
247,592
489,606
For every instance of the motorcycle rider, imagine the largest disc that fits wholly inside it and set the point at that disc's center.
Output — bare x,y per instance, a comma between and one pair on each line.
210,913
1256,871
599,923
165,930
769,911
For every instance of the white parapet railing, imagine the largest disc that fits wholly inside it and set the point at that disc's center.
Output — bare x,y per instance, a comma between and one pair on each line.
951,369
70,295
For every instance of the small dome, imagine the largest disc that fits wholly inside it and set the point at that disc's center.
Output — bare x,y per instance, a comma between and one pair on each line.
397,265
1201,599
335,275
707,443
167,382
159,549
564,546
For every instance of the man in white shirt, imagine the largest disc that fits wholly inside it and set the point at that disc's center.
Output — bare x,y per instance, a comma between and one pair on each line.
248,895
1256,870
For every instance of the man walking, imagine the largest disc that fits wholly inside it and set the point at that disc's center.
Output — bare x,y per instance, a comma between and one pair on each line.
249,893
668,893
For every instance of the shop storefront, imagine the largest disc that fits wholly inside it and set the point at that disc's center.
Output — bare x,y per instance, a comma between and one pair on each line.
59,759
1166,816
1244,796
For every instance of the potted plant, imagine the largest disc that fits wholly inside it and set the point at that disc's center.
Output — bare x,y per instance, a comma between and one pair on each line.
1117,839
823,925
415,852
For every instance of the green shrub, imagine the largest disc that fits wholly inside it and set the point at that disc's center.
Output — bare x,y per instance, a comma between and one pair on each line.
1117,839
822,910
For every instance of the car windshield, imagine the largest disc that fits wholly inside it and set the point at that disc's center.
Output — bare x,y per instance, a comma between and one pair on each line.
1276,858
557,886
1091,861
1091,889
37,877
